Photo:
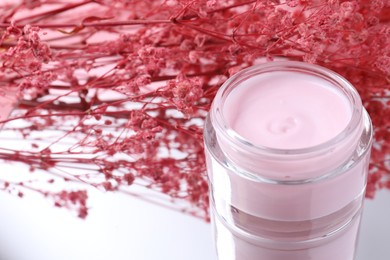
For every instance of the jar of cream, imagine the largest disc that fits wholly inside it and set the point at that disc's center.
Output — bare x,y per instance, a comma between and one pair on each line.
287,149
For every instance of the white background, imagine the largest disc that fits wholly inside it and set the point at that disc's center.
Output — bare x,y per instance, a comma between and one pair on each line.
121,227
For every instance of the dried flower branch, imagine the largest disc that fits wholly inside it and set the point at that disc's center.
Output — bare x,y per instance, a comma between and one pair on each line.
121,95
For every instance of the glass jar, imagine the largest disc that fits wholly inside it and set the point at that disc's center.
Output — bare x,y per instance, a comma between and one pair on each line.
296,203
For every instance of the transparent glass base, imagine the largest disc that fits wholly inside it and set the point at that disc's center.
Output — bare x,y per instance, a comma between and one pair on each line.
333,237
290,231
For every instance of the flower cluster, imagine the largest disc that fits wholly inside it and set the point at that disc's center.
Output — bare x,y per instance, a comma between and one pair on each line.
121,95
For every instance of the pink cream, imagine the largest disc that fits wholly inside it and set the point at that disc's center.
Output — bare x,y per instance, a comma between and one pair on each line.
287,110
287,149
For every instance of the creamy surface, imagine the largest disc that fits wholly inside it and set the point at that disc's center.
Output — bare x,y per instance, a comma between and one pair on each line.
287,110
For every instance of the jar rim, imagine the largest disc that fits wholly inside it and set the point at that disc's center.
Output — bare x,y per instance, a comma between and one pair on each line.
221,124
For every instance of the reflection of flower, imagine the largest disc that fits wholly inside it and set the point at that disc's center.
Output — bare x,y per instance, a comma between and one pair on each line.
126,84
